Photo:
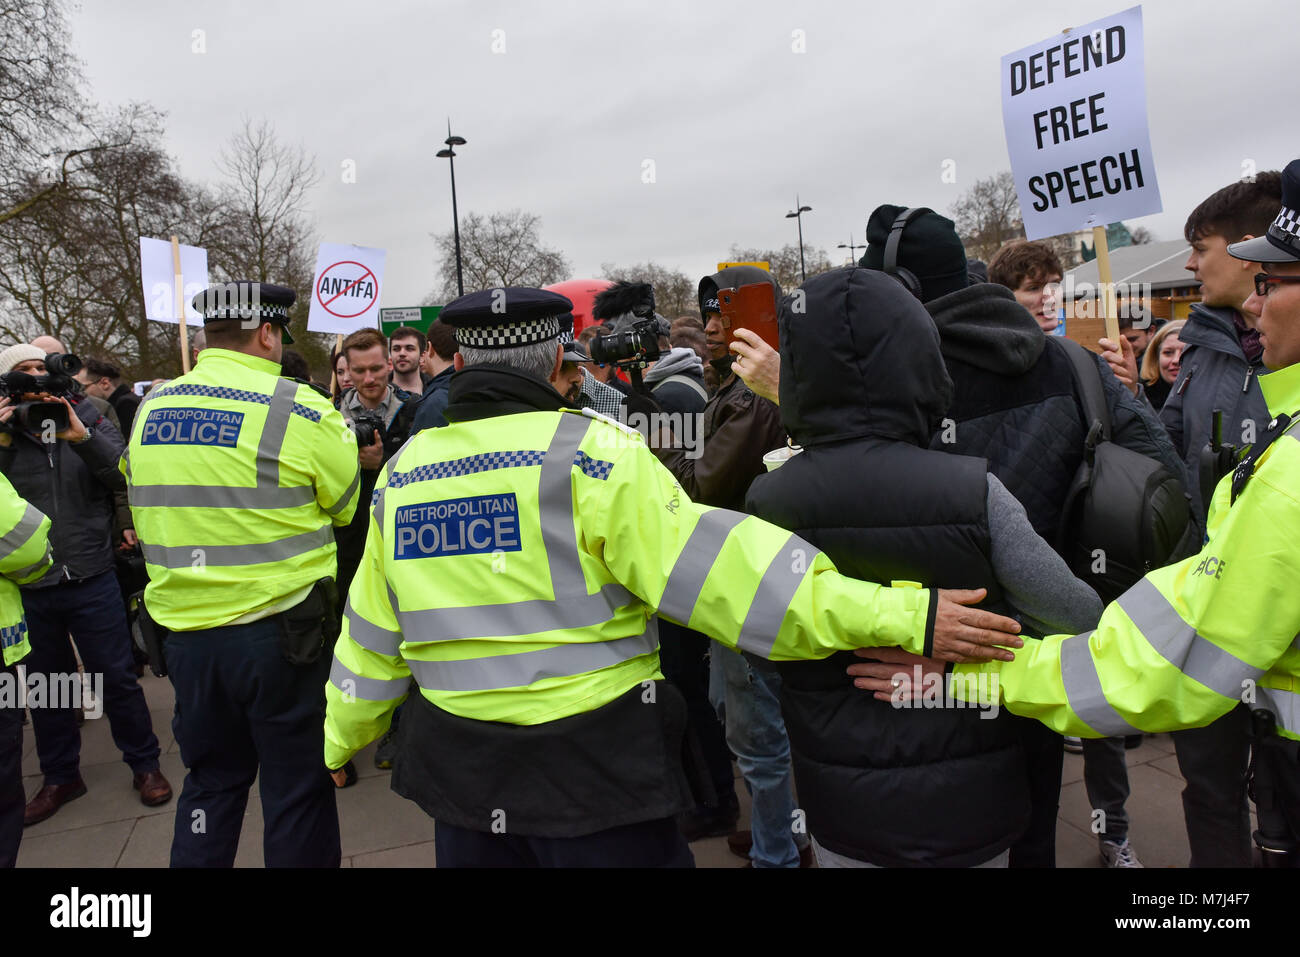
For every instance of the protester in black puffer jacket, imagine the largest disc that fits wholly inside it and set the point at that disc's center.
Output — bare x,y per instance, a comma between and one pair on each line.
862,388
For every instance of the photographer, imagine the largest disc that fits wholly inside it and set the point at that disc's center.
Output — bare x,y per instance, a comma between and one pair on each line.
70,474
381,421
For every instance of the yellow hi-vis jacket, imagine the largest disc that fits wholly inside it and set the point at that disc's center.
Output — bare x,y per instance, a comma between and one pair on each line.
514,564
24,557
1187,643
236,477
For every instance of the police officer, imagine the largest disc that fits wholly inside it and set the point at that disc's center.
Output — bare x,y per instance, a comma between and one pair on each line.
1183,646
236,476
514,563
24,557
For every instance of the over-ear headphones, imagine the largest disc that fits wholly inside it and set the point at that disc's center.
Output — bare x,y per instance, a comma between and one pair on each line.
890,266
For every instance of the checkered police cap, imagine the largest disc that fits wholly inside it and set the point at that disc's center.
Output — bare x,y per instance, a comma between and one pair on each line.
506,317
1282,241
245,300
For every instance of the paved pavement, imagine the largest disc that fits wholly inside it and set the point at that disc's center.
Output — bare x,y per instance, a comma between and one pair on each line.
110,828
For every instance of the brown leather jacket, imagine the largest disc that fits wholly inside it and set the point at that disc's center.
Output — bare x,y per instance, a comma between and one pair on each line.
739,428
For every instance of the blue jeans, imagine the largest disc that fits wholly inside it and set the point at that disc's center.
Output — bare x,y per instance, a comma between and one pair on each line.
747,695
91,610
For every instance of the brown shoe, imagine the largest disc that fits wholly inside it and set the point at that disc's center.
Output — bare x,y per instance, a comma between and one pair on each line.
153,788
50,798
740,842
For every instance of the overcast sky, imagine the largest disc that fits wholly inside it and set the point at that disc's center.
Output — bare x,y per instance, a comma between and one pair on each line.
562,121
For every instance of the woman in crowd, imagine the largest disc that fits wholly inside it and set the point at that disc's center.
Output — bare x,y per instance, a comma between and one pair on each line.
1160,363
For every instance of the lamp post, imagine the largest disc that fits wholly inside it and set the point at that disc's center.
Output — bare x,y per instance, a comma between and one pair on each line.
449,154
798,215
853,250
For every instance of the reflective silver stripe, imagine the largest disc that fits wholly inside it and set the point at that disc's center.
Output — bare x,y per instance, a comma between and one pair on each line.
369,635
219,496
370,689
555,508
273,431
196,556
521,670
31,569
1083,689
1179,644
126,457
22,533
1284,704
686,579
772,600
532,617
377,506
344,498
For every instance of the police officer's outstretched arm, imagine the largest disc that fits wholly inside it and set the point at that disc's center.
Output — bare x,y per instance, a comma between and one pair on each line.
755,586
24,537
1184,645
337,475
368,678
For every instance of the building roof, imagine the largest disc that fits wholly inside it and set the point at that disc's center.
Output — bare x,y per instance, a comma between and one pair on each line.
1160,264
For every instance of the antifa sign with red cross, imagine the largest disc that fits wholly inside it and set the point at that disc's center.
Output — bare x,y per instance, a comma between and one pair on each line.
347,289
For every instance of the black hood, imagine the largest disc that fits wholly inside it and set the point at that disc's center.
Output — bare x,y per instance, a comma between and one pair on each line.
733,277
860,357
984,326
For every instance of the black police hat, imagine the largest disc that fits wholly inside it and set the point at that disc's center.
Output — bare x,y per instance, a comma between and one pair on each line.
1281,244
245,300
506,317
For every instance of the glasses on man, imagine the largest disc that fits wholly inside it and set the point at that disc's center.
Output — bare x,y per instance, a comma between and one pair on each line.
1263,280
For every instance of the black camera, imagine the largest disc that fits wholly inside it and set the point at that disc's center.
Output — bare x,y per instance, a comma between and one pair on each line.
37,415
638,345
365,424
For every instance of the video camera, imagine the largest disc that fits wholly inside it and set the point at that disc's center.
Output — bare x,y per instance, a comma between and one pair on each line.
34,415
365,423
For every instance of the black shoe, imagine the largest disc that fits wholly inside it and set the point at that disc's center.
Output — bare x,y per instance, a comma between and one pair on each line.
701,822
1132,742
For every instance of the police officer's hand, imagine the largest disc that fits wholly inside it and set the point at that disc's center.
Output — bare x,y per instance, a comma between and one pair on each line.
968,635
1122,361
372,456
891,672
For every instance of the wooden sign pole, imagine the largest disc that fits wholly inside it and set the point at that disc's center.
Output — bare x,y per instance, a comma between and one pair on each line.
1107,287
178,280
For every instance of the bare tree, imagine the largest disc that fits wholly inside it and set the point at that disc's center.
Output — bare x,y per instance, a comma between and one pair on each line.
262,229
502,249
784,262
988,215
675,292
1141,236
70,267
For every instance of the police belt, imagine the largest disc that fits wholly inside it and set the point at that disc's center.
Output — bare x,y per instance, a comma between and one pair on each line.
619,764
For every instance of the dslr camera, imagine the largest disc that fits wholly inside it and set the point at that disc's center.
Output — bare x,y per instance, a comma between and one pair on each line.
365,423
33,414
634,346
630,307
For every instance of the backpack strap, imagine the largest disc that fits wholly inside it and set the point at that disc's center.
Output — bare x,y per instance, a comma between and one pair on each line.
1087,379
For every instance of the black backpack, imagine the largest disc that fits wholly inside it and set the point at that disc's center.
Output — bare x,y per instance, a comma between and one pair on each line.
1124,513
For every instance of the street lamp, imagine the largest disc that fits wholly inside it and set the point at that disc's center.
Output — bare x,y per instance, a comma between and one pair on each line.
853,250
798,214
449,154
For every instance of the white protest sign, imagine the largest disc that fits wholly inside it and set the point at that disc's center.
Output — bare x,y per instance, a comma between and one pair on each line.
1075,111
158,277
345,292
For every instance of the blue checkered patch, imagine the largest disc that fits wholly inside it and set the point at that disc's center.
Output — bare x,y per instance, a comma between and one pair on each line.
596,468
13,634
235,395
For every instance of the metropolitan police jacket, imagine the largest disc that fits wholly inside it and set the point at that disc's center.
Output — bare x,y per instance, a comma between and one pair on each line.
24,555
514,564
236,477
1189,641
73,484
